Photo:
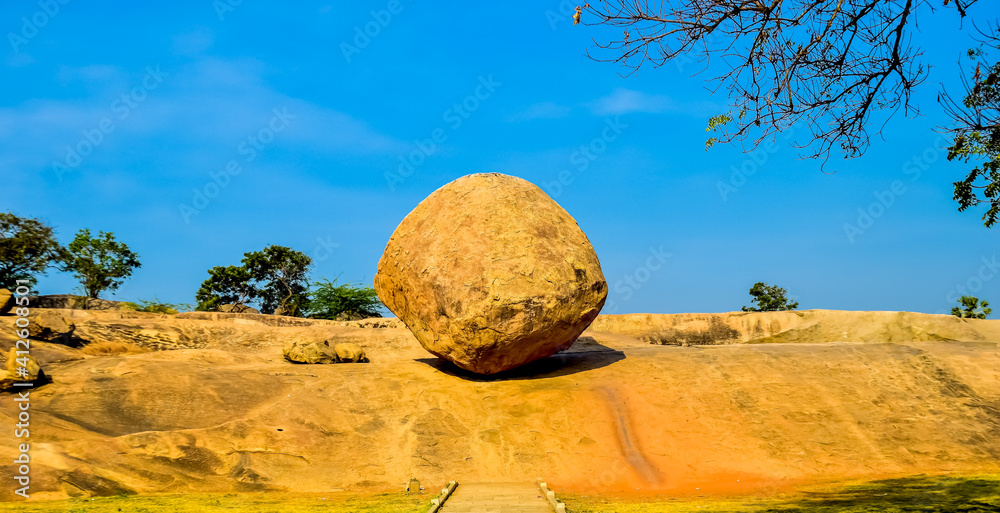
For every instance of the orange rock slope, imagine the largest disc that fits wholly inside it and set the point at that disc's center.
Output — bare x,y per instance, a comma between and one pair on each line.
213,406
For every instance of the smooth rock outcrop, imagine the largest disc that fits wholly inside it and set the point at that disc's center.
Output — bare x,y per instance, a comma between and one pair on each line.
53,326
72,301
231,308
490,273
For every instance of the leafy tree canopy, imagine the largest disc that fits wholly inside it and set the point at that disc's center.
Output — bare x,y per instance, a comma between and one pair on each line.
282,273
226,285
971,308
275,278
27,249
100,263
328,300
769,298
977,138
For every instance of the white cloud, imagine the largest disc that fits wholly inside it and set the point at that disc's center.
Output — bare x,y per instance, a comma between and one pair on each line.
194,42
19,60
626,101
95,73
544,110
200,112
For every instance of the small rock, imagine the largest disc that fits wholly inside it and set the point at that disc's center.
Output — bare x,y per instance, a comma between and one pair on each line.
6,301
32,371
297,351
349,352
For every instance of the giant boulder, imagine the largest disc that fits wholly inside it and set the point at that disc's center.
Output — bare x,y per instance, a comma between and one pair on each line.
490,273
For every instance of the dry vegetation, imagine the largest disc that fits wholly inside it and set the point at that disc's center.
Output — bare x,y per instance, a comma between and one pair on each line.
972,494
334,502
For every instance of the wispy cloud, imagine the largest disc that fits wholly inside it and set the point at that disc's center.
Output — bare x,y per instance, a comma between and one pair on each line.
194,42
98,73
207,107
544,110
626,101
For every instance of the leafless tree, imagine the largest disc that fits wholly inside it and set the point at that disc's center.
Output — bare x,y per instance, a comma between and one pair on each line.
828,65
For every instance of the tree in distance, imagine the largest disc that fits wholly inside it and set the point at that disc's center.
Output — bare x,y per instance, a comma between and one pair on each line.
226,285
328,300
282,274
100,263
27,249
275,277
971,308
835,71
769,298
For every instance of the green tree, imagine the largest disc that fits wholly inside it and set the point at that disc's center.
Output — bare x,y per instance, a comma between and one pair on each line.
769,298
282,276
971,308
273,278
226,285
100,263
328,300
27,249
977,137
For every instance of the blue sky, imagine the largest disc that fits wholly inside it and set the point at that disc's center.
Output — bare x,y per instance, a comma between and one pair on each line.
210,132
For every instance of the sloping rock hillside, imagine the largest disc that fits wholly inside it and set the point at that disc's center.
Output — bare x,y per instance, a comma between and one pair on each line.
206,402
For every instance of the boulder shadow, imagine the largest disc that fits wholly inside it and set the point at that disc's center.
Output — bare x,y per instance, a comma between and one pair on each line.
584,355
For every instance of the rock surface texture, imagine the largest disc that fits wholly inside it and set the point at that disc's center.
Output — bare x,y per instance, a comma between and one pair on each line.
798,397
490,273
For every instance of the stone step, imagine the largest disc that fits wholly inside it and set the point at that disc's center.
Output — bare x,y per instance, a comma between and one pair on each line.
496,498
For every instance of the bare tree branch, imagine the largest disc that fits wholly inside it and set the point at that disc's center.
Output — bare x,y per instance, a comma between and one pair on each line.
827,64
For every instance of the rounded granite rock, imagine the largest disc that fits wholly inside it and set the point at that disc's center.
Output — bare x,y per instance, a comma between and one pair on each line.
490,273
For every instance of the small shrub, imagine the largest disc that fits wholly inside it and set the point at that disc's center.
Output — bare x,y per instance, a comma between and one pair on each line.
156,306
972,308
343,302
